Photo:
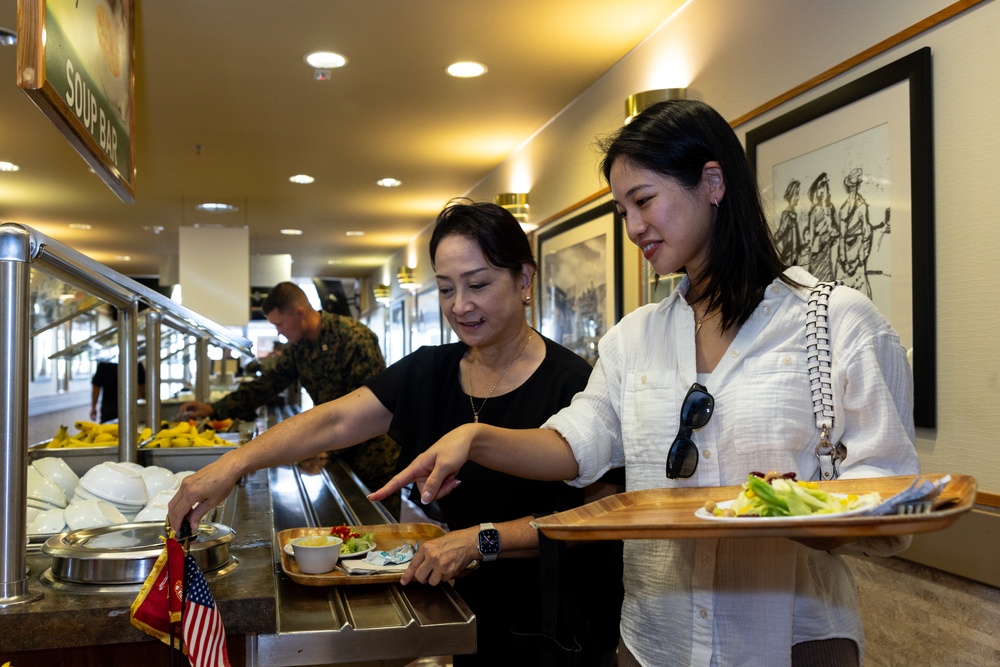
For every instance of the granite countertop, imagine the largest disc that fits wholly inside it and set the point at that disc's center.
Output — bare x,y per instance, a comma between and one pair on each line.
245,597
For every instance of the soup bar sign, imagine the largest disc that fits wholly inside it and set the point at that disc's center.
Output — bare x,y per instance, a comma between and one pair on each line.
75,61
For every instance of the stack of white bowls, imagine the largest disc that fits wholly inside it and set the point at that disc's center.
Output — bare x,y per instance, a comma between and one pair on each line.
118,484
46,502
109,493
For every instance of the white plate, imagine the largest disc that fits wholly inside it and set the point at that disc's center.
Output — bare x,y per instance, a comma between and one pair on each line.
356,554
702,513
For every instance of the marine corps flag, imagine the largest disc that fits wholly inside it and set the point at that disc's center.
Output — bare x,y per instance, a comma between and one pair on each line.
158,605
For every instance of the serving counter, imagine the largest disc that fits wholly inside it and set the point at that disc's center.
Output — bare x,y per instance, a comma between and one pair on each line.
270,620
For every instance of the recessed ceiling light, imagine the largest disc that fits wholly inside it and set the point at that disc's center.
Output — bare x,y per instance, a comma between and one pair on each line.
325,59
79,225
123,258
354,232
292,232
389,182
8,166
216,207
302,179
7,37
466,69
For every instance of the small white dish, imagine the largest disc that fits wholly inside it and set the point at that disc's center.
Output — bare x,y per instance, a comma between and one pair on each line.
158,479
116,482
48,522
92,514
45,491
151,513
162,498
356,554
316,554
57,470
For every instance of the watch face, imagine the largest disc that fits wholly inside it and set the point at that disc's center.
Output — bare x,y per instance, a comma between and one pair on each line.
489,541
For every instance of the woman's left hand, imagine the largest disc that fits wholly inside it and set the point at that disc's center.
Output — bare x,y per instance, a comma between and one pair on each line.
442,558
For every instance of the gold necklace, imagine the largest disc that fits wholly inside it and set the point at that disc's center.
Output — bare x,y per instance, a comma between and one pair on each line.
697,326
472,358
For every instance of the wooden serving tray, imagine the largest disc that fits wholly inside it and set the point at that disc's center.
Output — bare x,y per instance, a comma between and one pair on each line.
387,536
670,513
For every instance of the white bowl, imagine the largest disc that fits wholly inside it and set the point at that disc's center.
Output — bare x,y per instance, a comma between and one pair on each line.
158,479
31,514
42,505
33,473
150,513
138,467
162,498
46,491
47,523
179,476
92,514
83,494
57,470
115,482
316,554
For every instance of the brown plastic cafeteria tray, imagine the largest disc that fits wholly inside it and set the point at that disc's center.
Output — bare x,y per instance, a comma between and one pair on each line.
387,536
670,513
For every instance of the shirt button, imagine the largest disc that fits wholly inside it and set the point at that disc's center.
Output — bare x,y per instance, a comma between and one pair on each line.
767,310
787,361
643,379
734,354
775,289
703,613
707,453
706,559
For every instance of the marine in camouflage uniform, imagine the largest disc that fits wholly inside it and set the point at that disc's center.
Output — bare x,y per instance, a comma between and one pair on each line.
345,354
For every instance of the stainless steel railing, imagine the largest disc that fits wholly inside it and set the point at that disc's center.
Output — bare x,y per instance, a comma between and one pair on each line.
23,248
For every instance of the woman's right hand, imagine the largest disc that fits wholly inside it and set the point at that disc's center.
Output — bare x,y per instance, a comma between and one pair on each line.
199,493
435,470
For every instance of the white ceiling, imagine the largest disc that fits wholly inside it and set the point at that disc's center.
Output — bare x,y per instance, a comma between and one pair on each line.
228,75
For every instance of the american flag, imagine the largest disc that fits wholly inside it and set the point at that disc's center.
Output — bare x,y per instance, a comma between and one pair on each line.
204,636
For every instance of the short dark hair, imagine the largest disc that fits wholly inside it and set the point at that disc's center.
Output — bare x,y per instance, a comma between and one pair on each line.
284,296
677,138
492,227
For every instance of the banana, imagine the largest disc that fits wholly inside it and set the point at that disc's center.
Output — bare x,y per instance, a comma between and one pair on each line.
111,429
86,426
182,441
145,434
59,440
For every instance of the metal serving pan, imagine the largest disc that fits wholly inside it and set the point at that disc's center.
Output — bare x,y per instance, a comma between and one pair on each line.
125,553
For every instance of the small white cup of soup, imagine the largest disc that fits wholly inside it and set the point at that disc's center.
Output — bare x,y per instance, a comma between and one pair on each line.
316,554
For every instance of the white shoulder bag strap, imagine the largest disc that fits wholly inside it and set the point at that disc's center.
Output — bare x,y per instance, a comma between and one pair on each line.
818,348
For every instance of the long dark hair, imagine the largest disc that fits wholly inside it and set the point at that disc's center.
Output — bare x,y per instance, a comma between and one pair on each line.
493,228
676,139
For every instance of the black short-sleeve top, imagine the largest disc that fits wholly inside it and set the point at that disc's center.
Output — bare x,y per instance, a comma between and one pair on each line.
424,393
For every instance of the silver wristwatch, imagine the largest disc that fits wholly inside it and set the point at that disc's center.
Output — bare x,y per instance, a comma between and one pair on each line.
489,541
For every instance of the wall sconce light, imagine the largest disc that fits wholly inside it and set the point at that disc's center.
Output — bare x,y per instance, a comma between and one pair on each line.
383,294
517,204
639,102
407,278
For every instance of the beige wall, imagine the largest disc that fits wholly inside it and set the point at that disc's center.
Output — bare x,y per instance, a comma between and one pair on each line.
737,55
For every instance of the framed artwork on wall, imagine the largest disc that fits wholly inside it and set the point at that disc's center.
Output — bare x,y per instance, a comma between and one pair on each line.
426,327
580,278
396,339
847,180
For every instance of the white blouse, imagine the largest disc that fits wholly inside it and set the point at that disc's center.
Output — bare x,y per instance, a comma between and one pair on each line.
734,601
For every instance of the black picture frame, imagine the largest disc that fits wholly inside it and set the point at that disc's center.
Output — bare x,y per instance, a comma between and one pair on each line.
577,240
899,90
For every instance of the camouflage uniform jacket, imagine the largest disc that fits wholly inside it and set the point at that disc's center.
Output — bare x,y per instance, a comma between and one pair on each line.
345,355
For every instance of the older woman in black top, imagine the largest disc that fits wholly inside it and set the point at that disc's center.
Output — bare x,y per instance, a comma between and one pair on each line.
501,373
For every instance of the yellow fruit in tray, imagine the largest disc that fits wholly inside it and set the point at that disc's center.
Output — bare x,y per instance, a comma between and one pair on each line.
104,437
182,441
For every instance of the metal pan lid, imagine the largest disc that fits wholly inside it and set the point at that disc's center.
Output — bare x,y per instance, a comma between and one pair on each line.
125,553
